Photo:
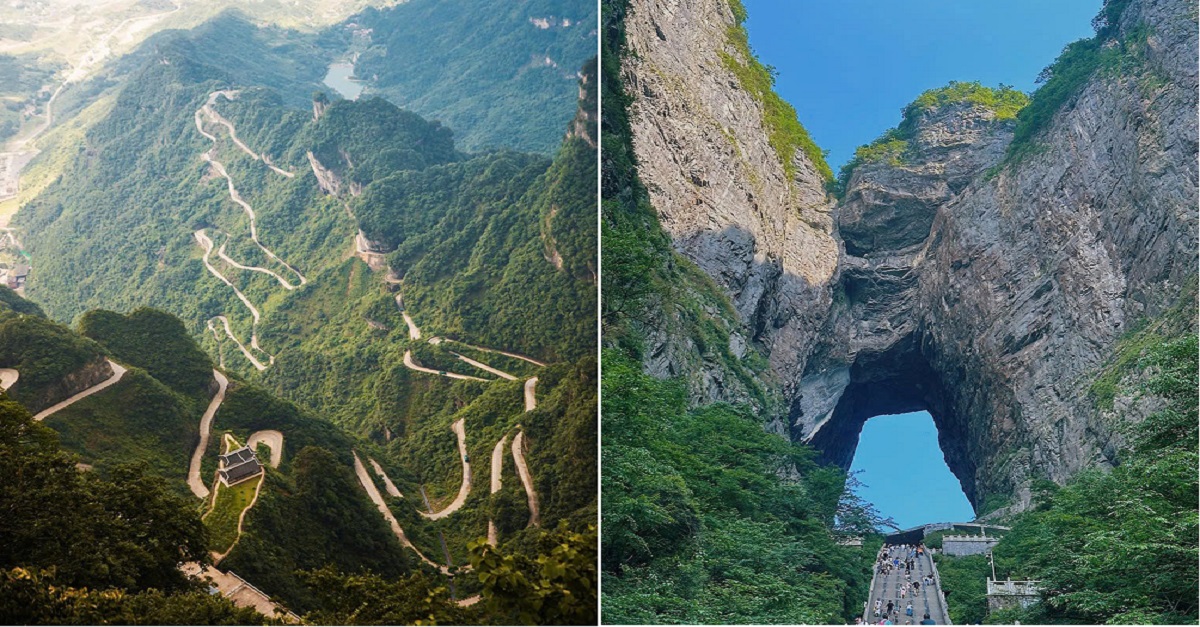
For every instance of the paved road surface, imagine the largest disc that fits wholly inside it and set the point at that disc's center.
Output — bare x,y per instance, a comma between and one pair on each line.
8,377
373,493
530,398
412,365
497,483
518,451
273,439
888,589
464,488
193,480
484,367
118,372
392,490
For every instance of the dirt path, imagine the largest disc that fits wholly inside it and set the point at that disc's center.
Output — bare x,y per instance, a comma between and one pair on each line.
373,493
8,376
412,365
518,451
484,367
193,479
464,489
497,469
118,372
217,557
530,398
392,490
273,439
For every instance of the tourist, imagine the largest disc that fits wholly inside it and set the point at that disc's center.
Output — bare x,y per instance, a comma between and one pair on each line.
927,621
890,605
908,611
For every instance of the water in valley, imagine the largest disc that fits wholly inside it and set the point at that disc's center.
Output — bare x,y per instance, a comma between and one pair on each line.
339,78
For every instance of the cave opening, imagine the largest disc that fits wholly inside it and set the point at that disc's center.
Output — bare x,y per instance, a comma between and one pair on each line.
896,389
904,474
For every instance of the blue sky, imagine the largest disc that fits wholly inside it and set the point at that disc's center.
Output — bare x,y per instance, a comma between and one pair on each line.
905,473
849,66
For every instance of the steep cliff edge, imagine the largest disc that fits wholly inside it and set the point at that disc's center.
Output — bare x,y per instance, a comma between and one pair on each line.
755,220
986,281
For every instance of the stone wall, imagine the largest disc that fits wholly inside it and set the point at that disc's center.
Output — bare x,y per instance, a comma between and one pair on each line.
968,545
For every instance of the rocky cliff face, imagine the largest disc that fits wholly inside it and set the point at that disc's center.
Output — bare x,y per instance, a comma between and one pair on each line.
988,296
721,191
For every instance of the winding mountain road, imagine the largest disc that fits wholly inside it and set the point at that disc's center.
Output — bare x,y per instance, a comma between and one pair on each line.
412,365
273,439
497,483
241,347
118,372
229,260
498,352
219,167
207,244
530,397
518,451
8,376
464,489
373,493
484,367
212,114
392,490
193,479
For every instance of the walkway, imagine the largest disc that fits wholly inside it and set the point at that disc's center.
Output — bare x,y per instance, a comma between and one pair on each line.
118,372
239,591
887,587
193,480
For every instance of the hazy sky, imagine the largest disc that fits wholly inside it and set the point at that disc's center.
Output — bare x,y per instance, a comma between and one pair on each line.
850,66
905,472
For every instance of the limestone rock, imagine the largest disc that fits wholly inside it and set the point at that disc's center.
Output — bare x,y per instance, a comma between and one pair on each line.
989,297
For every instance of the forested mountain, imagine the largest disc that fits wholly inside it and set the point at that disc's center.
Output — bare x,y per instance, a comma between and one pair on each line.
502,75
401,318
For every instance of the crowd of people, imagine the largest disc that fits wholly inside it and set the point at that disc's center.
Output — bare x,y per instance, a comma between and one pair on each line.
896,559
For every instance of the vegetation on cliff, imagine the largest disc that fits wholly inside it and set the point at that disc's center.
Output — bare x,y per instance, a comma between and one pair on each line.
707,517
1116,547
893,146
785,132
1079,61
